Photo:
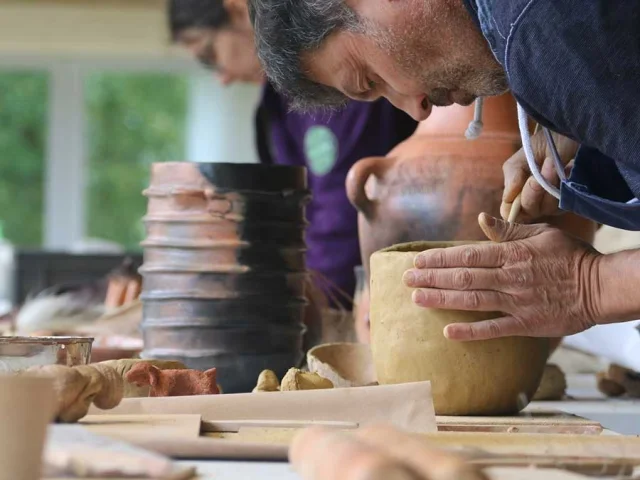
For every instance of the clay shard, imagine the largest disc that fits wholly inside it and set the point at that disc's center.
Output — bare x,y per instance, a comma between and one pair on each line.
553,385
345,364
296,379
618,381
609,387
267,382
173,383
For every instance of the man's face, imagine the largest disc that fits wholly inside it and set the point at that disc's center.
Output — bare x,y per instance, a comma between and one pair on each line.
416,53
229,51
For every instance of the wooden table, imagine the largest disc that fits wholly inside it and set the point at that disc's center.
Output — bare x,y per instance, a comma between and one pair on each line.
621,416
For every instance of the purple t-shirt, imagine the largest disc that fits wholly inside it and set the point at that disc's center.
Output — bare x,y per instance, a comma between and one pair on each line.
328,144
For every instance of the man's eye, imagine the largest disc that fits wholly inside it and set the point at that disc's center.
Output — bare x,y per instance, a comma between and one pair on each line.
371,84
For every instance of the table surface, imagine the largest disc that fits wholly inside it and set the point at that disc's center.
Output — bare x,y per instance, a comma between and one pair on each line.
619,415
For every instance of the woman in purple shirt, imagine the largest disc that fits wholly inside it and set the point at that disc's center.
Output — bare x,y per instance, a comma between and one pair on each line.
219,34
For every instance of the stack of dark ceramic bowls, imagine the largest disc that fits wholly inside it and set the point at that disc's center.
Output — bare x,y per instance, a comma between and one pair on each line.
224,269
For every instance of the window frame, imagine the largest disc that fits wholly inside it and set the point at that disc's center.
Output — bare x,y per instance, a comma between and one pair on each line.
209,136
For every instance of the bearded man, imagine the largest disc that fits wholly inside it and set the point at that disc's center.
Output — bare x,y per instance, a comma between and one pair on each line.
573,66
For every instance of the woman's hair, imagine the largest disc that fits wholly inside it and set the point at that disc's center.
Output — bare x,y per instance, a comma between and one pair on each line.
184,14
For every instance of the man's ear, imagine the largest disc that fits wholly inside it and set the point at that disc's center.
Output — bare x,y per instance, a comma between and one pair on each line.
239,12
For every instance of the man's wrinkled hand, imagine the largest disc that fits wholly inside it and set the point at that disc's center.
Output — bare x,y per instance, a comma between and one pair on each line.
544,281
535,201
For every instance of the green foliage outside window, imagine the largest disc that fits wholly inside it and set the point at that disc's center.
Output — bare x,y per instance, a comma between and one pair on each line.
132,121
23,133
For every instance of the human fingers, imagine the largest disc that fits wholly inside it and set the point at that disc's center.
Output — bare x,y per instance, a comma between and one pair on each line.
482,255
516,172
536,202
432,463
487,329
471,300
497,279
319,454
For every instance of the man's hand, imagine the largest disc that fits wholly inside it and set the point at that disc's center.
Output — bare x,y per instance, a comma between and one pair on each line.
545,282
374,453
536,202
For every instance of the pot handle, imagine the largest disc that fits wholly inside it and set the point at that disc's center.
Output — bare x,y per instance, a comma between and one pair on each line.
357,179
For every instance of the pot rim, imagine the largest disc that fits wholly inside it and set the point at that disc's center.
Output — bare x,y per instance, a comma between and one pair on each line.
422,245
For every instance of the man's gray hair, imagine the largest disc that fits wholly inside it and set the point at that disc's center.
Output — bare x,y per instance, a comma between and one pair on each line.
287,30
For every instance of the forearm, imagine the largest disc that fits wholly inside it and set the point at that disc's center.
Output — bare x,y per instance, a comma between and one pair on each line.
618,280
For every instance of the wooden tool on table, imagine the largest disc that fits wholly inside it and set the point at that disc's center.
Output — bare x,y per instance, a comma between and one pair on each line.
552,422
269,439
235,426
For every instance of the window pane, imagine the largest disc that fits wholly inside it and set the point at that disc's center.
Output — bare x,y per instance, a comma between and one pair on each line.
132,121
23,127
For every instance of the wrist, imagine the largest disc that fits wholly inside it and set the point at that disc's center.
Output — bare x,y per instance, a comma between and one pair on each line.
614,287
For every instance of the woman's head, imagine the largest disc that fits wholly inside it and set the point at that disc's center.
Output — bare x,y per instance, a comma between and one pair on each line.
218,33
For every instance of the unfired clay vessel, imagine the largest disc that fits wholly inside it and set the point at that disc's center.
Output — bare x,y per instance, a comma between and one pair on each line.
495,377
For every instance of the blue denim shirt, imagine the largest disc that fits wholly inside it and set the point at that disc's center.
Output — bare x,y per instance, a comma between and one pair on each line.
574,66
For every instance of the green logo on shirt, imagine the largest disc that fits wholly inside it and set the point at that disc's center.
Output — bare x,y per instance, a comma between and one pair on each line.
321,149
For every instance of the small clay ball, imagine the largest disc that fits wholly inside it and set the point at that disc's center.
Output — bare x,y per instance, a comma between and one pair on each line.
267,382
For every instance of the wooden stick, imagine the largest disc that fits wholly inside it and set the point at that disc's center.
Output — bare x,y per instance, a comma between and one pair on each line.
517,203
515,209
233,426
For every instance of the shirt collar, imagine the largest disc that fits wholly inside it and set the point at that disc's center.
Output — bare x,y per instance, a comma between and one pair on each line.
473,10
482,13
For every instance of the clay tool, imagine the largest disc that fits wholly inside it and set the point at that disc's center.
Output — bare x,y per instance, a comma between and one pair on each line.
515,209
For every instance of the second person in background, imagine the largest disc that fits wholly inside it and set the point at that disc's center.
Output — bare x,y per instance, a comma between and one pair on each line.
219,34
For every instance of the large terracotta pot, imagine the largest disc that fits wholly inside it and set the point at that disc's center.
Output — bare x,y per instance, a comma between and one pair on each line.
494,377
434,185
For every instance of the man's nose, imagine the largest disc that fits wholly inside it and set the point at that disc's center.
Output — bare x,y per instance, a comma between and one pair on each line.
413,106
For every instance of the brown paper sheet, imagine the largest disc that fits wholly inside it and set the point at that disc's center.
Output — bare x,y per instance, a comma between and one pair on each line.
408,406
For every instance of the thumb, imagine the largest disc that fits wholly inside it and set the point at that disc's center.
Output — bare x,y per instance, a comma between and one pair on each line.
497,230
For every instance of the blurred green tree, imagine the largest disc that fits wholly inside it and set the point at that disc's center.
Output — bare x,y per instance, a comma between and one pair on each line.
23,130
132,121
